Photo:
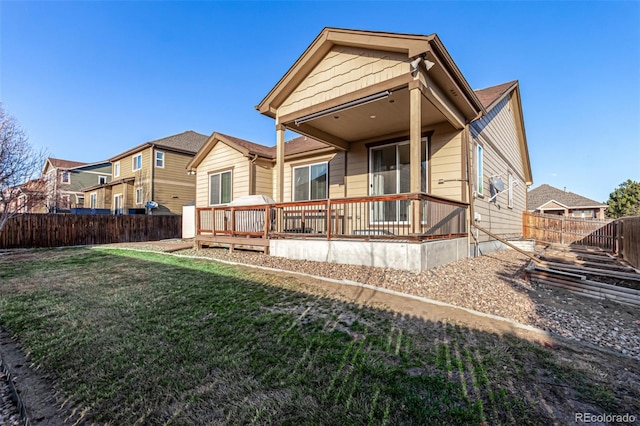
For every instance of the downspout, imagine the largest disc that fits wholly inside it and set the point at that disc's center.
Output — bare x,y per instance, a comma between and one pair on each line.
470,190
153,172
252,175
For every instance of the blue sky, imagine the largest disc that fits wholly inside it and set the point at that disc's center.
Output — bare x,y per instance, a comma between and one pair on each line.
88,80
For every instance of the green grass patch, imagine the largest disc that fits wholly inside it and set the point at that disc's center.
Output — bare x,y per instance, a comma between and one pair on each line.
143,338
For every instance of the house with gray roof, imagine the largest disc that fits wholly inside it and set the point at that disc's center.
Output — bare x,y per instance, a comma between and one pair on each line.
549,200
150,177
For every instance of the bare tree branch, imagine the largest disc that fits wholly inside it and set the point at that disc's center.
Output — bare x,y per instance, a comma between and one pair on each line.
20,186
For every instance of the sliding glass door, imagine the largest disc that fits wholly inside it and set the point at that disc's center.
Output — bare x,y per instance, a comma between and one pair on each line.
390,173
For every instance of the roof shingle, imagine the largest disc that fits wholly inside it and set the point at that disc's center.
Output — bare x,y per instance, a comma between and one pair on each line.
545,193
489,95
64,164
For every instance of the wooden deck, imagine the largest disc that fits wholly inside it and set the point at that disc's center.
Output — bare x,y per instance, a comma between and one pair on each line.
248,243
411,217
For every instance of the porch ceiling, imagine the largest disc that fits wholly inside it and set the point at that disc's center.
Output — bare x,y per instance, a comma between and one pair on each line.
384,117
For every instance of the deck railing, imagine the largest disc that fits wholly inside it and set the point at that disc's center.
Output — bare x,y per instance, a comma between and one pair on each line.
403,216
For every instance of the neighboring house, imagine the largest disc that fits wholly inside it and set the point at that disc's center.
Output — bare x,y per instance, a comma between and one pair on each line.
30,197
155,172
550,200
66,180
396,148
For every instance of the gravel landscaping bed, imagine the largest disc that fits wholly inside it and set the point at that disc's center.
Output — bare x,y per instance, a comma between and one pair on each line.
493,284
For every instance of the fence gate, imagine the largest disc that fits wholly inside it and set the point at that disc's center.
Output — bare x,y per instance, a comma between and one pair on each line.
569,230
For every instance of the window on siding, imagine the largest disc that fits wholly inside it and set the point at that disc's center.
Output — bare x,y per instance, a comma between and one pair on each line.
310,182
102,180
220,188
66,177
160,159
139,195
137,162
80,199
116,169
479,170
510,195
93,200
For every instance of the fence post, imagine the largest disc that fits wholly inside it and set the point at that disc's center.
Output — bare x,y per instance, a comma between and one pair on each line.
618,235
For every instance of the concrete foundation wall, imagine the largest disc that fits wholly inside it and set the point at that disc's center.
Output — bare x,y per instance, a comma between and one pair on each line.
487,247
415,257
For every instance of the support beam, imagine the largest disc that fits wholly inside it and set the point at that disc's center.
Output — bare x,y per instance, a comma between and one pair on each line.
415,154
415,137
279,193
437,97
312,132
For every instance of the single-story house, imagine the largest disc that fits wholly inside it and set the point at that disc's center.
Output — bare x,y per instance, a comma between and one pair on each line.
398,157
550,200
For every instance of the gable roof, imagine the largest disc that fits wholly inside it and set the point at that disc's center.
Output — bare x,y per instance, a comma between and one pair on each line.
295,146
245,147
490,98
58,163
412,45
492,95
188,142
544,193
301,145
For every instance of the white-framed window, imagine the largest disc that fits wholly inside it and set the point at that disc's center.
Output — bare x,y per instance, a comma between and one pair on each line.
137,162
220,188
479,170
310,182
66,177
80,199
93,200
64,201
116,169
510,194
139,195
102,180
117,204
160,159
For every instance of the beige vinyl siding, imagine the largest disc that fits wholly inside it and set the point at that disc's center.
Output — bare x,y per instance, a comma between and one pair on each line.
498,137
128,197
175,168
344,70
336,173
103,198
357,178
445,162
264,179
172,186
126,164
171,196
222,157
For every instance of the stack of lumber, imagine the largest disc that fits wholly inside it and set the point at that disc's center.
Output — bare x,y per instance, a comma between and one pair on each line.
588,271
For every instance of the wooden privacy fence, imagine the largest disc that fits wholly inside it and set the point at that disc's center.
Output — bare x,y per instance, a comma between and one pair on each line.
57,230
630,233
569,230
